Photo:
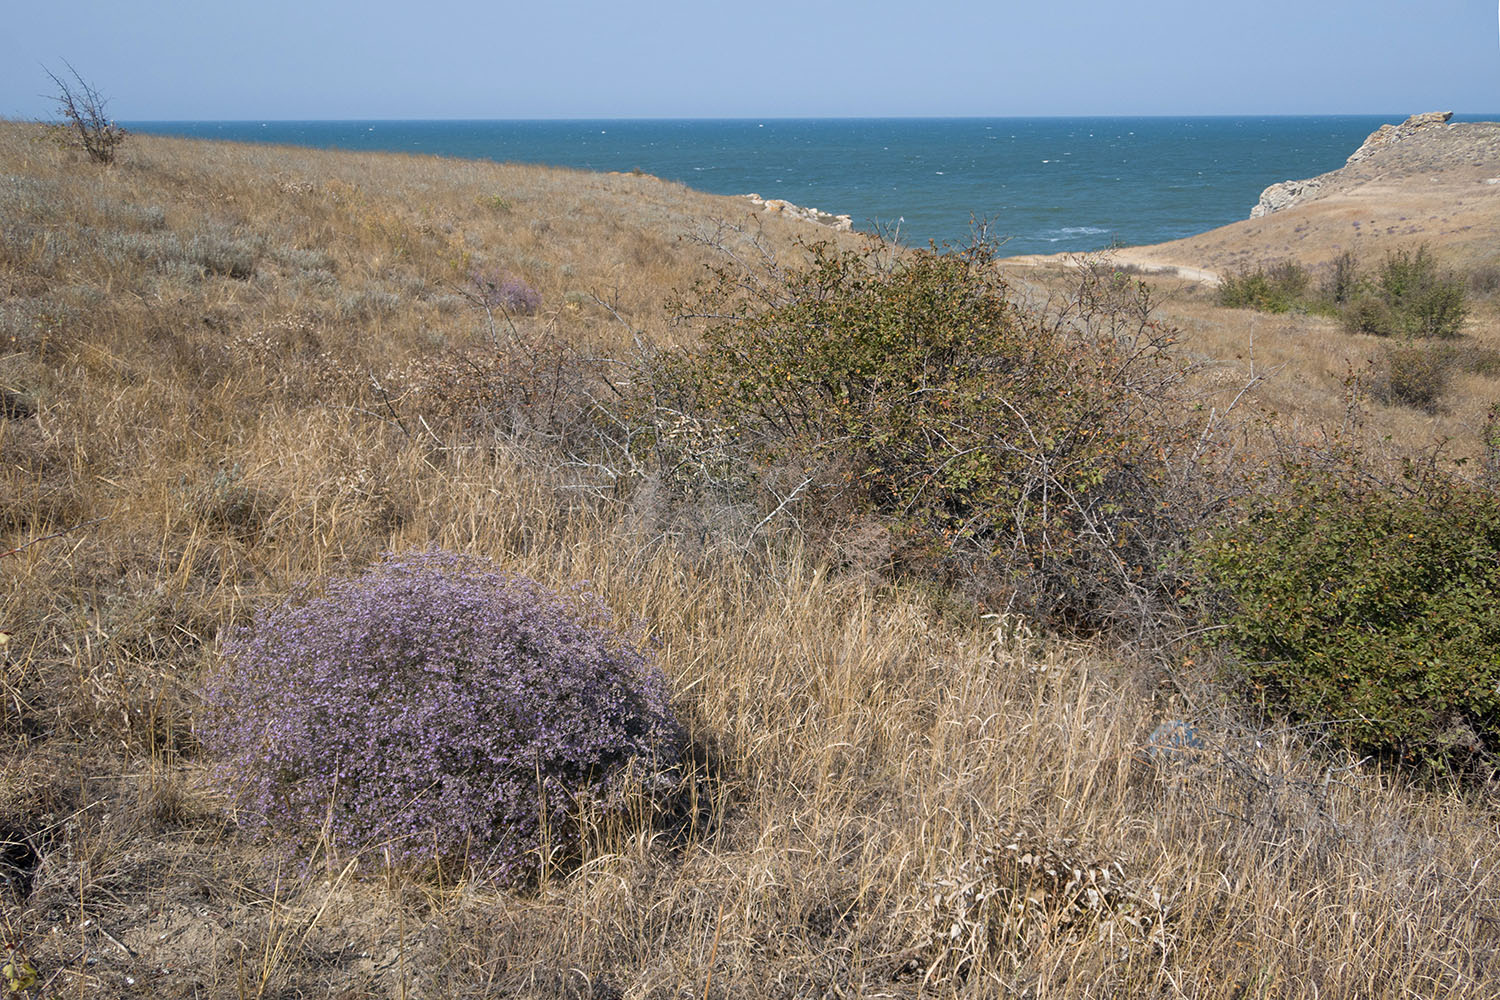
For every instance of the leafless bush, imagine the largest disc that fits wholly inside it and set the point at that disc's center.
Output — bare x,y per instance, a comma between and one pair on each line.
534,385
86,123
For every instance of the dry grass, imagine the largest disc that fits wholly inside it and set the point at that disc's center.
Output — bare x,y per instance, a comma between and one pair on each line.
1431,191
1306,364
876,764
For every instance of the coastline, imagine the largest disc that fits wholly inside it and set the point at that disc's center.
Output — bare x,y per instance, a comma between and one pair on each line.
238,370
1425,180
1053,185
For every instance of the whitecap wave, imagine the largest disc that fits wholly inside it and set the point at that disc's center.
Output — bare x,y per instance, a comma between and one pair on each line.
1069,233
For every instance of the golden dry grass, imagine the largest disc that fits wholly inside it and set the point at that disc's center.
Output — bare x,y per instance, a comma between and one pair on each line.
868,755
1306,364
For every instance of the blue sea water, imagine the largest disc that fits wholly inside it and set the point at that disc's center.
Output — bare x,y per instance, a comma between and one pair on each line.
1046,184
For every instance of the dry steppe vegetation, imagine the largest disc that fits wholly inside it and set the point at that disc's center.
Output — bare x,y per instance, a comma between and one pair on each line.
228,372
1436,189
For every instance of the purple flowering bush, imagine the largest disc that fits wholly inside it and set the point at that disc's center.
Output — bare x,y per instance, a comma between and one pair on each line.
497,291
438,710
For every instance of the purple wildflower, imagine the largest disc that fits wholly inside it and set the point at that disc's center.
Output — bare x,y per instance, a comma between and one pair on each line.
437,710
506,292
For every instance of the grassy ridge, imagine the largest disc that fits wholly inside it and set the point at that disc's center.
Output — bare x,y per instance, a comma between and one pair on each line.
214,358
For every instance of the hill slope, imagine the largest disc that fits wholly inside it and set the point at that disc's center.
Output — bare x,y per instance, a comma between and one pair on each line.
230,372
1439,185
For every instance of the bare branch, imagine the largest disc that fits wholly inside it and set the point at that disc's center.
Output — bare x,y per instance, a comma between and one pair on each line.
85,123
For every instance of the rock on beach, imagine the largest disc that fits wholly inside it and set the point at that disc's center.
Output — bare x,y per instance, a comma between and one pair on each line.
776,206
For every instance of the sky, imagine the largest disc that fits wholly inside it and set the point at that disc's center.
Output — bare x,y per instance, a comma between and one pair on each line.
158,60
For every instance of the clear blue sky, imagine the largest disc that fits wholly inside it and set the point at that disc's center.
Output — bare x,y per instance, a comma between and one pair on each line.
275,59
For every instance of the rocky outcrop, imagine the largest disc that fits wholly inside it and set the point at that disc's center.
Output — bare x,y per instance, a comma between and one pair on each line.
1289,193
1386,135
1284,195
776,206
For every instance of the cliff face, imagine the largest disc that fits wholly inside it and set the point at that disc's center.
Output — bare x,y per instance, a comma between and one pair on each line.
1286,194
1382,140
1427,181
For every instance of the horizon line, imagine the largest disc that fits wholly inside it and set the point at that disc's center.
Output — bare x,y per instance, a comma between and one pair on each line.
784,118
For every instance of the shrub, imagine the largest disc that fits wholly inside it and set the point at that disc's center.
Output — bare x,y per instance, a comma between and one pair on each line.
1274,289
1369,609
438,709
1489,454
86,123
1430,302
1370,314
1410,297
1030,458
507,292
1484,281
220,251
1342,281
1417,375
366,304
534,384
1479,360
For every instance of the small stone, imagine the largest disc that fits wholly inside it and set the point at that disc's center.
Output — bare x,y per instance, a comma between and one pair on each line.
1172,740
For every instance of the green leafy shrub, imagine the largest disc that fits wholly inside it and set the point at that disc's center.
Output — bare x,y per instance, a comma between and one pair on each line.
1370,314
1031,458
1372,610
1430,301
1407,296
1410,297
1274,289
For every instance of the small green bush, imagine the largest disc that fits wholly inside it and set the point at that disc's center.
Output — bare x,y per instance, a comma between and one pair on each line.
1275,289
1410,297
1431,302
1374,611
1407,296
1372,315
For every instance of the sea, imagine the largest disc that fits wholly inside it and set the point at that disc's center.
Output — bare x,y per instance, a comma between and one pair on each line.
1043,185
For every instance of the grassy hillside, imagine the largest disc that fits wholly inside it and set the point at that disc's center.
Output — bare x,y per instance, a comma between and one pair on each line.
1435,189
232,371
1309,360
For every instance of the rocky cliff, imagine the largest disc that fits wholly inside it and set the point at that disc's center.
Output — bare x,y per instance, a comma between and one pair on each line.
1289,193
777,206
